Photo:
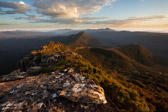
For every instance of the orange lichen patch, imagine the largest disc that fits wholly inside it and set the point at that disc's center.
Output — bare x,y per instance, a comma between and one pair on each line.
93,96
75,94
63,93
55,109
6,86
83,93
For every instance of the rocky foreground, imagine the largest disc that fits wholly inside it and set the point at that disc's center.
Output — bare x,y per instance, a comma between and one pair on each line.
59,91
55,91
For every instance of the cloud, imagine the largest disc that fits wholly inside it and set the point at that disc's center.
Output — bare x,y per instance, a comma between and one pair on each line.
29,17
32,17
70,12
69,8
14,7
83,20
94,20
60,21
131,20
57,11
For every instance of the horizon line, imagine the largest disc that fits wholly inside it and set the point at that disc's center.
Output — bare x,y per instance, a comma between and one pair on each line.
131,30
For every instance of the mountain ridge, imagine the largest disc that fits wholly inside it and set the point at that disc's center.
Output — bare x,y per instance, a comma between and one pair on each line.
80,39
129,58
131,76
51,59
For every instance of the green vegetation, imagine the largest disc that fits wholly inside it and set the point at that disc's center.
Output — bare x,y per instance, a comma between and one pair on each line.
131,58
138,53
108,60
127,99
136,68
51,48
152,86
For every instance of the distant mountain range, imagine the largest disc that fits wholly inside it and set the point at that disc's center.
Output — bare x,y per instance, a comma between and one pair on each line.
12,49
155,42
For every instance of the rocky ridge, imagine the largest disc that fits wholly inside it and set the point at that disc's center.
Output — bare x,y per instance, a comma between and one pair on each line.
65,90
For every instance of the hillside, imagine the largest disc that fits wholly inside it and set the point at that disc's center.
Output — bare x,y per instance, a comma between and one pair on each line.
135,67
39,70
129,58
80,39
138,53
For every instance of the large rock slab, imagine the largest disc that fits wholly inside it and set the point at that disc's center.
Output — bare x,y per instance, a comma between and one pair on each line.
56,91
85,93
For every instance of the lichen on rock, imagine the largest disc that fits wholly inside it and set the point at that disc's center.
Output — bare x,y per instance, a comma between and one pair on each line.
85,94
36,91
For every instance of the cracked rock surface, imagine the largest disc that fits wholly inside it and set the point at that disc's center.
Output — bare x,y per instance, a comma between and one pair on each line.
56,91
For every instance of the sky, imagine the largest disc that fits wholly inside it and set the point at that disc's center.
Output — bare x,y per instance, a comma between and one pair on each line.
146,15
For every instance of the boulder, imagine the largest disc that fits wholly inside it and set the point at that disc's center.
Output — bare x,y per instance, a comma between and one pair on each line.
85,93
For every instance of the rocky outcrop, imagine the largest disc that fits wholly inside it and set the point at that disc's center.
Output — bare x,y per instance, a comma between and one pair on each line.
13,76
33,61
20,91
54,91
49,83
85,93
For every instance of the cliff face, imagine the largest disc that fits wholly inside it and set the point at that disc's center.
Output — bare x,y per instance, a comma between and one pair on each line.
37,87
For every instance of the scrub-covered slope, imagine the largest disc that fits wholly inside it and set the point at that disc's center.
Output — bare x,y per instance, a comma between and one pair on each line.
58,78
